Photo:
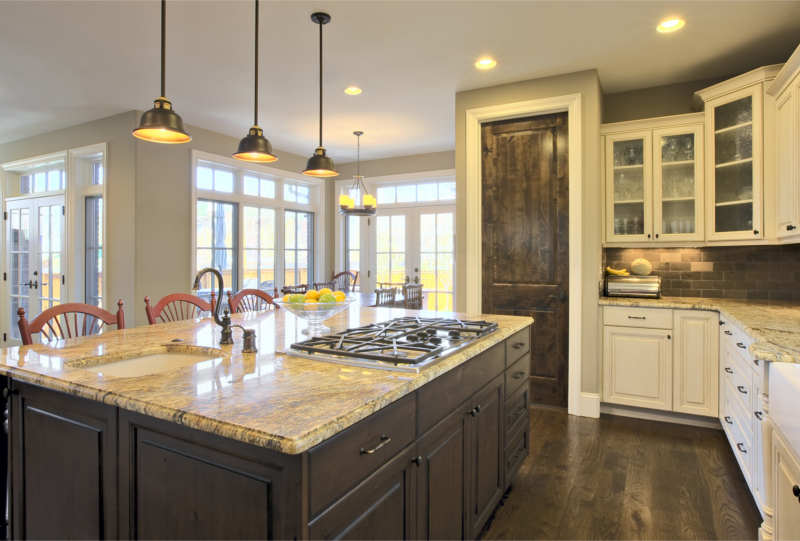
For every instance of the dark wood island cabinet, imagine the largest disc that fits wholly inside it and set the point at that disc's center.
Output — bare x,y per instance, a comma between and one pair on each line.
431,465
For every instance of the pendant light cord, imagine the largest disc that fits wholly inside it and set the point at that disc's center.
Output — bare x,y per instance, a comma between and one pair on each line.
255,111
163,48
321,24
358,156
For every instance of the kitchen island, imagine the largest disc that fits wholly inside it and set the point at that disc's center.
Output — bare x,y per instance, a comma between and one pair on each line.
262,445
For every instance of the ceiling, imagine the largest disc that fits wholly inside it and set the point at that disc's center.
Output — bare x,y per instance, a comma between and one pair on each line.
63,63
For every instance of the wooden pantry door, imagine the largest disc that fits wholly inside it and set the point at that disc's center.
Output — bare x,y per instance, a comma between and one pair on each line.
525,203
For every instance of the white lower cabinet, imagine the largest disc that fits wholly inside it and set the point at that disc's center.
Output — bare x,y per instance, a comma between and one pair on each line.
662,359
785,491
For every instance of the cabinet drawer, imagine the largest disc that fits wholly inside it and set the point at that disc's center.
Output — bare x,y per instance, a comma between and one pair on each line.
745,417
740,377
336,465
516,412
739,441
518,375
517,345
648,318
742,344
515,454
727,330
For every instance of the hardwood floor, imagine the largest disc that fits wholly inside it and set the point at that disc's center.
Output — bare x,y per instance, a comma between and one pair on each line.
622,478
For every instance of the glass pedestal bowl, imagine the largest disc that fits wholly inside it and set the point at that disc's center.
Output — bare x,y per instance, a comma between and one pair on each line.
315,313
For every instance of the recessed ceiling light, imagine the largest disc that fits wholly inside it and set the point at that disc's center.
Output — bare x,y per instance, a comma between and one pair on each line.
352,90
670,25
486,63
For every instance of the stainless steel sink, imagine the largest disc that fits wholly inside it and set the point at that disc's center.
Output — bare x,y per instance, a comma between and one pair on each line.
146,362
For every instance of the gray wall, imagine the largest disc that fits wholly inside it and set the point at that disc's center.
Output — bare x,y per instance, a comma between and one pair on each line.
588,85
654,102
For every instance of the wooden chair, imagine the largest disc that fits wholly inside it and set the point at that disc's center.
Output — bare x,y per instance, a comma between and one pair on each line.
251,300
62,321
385,297
345,281
178,307
321,285
288,290
412,297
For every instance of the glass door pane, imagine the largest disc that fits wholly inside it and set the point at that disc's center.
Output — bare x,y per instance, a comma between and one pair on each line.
679,188
629,187
390,249
18,235
51,227
259,249
298,246
437,269
733,153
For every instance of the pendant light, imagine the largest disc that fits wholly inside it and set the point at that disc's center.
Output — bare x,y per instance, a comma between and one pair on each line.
161,124
255,147
347,206
320,165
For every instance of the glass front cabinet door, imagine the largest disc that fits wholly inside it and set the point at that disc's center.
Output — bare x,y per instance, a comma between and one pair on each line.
628,187
734,165
678,184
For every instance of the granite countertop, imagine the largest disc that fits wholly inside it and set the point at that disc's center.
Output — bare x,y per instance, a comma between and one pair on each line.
774,326
268,399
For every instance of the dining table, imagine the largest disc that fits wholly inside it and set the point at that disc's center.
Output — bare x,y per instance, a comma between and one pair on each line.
368,298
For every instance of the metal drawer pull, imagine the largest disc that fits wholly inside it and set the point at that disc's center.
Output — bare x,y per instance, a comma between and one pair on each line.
756,361
728,370
741,447
519,411
518,453
519,345
740,345
384,441
519,375
728,420
729,333
759,415
742,389
636,317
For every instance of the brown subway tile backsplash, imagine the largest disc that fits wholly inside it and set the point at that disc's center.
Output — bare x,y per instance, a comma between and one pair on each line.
730,272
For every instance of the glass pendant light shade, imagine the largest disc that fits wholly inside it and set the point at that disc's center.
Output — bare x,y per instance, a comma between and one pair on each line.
255,148
320,165
161,124
347,205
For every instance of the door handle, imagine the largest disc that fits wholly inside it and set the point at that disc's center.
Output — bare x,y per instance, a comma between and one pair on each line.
562,295
32,284
408,279
416,279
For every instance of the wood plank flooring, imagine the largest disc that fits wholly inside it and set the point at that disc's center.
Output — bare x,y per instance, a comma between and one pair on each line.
622,478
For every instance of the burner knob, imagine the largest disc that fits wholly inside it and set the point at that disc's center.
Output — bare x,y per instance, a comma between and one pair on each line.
431,332
411,338
454,334
421,336
435,340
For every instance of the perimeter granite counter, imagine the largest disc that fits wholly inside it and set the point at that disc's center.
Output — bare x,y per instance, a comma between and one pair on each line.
774,326
267,399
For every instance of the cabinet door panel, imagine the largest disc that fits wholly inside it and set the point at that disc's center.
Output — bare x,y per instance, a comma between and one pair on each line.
696,362
786,507
65,466
637,367
786,171
629,187
486,435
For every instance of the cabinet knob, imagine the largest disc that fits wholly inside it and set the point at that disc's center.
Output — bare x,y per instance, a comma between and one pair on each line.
475,411
656,235
417,460
796,491
755,231
669,337
648,235
790,227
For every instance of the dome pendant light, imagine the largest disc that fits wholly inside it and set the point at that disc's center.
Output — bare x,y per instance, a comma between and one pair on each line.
320,165
255,147
347,206
161,124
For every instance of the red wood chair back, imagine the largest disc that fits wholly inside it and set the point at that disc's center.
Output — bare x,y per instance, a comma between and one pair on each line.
385,297
69,320
345,281
412,297
321,285
288,290
178,307
251,300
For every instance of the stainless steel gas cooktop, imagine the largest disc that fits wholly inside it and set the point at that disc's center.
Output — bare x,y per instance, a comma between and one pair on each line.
405,344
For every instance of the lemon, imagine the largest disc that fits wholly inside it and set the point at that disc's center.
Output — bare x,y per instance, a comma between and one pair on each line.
327,298
286,298
311,304
297,298
325,290
312,294
339,296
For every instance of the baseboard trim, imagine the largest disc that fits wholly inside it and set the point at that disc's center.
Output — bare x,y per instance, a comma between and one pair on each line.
590,405
663,416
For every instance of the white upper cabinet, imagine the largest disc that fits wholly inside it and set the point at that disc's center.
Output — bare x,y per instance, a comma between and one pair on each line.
654,180
735,158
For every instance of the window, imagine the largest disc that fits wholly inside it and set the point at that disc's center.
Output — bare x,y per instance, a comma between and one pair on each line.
93,287
217,244
97,173
390,249
298,242
425,190
216,179
259,249
352,253
296,194
260,187
42,182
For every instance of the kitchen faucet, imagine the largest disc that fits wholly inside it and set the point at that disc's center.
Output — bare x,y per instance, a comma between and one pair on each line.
226,337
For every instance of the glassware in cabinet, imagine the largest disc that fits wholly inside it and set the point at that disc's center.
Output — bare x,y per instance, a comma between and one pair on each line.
678,183
628,187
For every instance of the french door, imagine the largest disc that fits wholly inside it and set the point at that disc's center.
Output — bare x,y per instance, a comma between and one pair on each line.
416,245
35,259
